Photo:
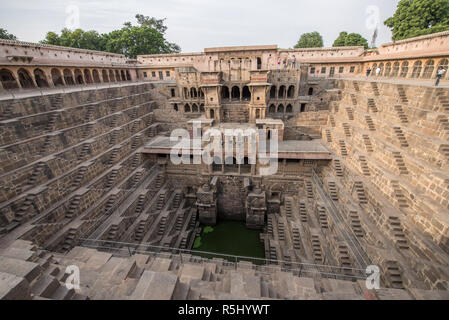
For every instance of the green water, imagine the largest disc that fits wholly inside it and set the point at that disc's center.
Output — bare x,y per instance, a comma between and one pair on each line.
232,238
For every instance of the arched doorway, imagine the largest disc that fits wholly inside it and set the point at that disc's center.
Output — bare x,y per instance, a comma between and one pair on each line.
273,92
310,91
96,76
56,77
193,93
281,108
404,69
387,69
281,94
25,79
105,76
291,92
428,69
417,67
289,109
79,77
235,93
246,94
212,114
272,108
225,93
111,76
68,77
40,78
8,80
87,76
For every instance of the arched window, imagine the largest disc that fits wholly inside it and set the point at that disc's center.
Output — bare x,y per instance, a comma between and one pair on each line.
281,108
381,66
56,77
417,67
68,77
96,76
175,107
259,63
310,91
25,79
201,93
289,109
444,63
212,114
428,69
40,78
272,108
78,76
395,71
235,93
105,76
273,92
281,94
387,69
186,108
194,108
186,93
87,76
291,92
123,75
246,94
128,75
8,80
193,93
404,69
225,93
112,76
202,107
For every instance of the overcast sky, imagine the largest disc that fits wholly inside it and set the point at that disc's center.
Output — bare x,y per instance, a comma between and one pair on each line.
199,24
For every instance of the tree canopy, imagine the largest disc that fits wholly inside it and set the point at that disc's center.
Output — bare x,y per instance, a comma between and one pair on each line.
5,35
418,17
146,38
350,39
310,40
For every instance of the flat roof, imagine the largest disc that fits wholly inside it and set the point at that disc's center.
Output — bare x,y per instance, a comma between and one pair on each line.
290,149
242,48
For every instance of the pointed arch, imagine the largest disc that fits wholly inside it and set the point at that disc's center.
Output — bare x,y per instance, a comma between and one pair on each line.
40,78
25,79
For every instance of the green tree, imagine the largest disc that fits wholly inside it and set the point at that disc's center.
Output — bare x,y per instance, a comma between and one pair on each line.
310,40
350,39
340,41
145,38
5,35
78,38
418,17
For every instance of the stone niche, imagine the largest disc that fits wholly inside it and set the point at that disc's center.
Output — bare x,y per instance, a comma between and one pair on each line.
207,203
256,208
